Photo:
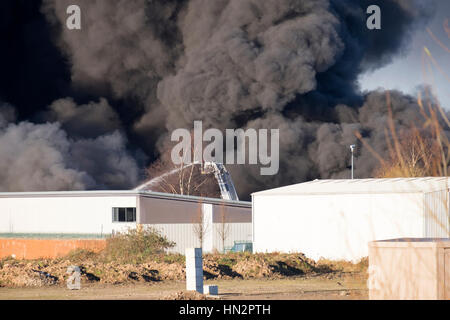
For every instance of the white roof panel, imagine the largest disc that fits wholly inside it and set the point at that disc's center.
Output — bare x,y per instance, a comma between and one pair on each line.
340,186
117,193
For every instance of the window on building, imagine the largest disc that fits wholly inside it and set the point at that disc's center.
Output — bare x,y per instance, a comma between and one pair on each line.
124,214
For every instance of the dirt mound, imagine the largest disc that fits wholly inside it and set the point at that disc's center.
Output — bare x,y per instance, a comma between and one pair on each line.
254,269
246,265
185,295
212,269
16,273
19,273
25,275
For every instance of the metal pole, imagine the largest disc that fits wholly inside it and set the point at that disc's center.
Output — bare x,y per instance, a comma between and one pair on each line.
352,147
352,163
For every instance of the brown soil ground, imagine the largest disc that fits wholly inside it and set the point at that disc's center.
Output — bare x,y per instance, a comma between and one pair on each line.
343,286
238,275
52,272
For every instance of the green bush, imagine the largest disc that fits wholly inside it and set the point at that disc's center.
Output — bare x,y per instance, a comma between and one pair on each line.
136,245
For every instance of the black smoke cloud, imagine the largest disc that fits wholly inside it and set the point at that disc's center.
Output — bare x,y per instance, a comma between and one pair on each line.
312,149
101,101
124,49
89,120
42,157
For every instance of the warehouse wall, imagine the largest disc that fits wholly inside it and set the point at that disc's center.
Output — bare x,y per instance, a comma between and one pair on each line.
436,215
62,214
178,219
56,215
235,221
180,233
334,226
236,232
166,211
232,214
184,236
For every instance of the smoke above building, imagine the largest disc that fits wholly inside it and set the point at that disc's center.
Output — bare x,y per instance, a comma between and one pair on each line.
91,108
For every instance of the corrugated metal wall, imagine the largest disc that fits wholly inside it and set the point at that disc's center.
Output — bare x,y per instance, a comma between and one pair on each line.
236,232
180,233
184,236
176,219
436,214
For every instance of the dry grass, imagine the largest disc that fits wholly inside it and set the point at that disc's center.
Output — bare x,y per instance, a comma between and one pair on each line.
416,155
345,266
418,151
423,149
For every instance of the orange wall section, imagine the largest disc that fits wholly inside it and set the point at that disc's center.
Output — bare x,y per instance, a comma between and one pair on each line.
46,248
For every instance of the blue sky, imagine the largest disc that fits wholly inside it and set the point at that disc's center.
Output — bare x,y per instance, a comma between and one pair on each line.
405,71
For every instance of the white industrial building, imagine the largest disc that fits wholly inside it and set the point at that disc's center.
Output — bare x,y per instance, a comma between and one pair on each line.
95,214
335,219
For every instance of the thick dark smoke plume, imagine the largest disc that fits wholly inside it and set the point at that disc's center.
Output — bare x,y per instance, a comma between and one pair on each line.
90,108
43,157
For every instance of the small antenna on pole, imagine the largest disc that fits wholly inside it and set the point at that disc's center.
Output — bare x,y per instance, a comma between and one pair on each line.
352,148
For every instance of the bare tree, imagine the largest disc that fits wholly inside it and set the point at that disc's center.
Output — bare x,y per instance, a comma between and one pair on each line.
201,228
223,229
412,153
187,179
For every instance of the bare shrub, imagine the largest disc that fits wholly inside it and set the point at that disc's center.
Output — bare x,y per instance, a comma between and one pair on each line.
136,245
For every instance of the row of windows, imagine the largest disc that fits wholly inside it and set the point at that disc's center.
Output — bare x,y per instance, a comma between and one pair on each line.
124,214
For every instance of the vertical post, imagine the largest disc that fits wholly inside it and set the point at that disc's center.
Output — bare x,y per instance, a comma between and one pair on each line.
208,224
352,164
194,270
352,147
